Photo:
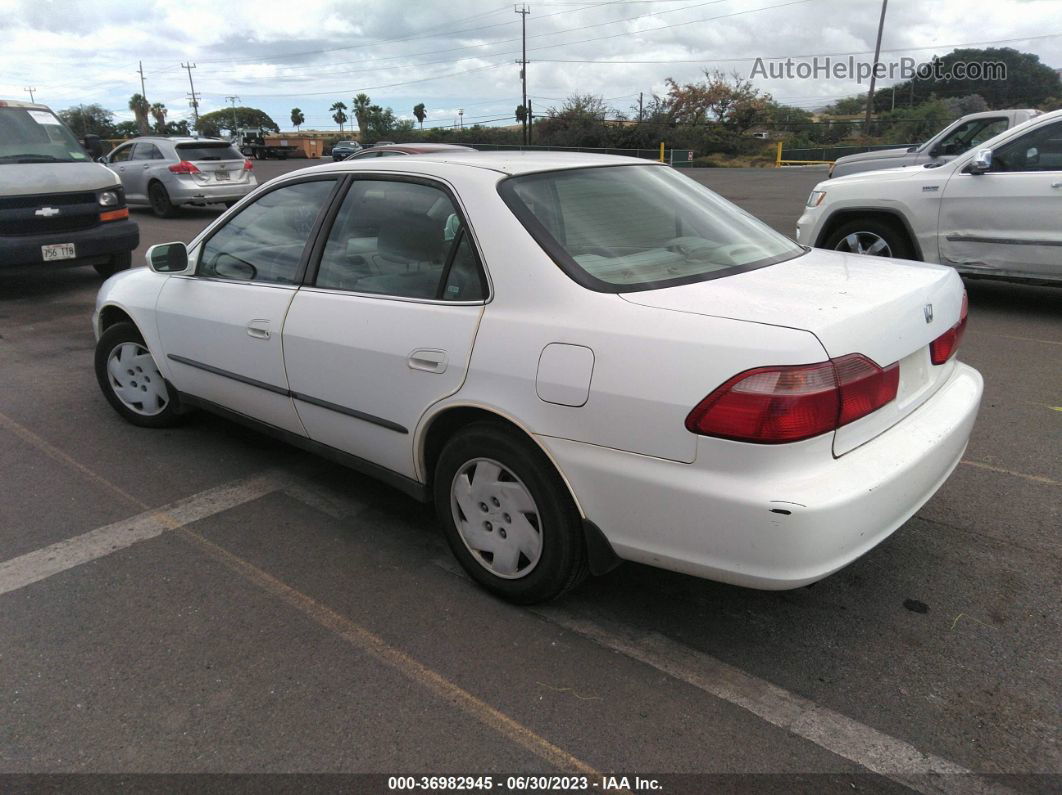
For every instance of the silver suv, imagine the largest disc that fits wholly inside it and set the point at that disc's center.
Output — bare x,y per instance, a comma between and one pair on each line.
166,173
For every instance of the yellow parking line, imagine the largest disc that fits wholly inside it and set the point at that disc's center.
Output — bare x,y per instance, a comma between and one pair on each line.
1003,471
354,634
401,662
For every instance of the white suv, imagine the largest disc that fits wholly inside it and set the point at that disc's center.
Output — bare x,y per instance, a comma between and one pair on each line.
990,212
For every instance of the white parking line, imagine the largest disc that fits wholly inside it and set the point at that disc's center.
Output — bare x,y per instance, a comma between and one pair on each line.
874,750
42,563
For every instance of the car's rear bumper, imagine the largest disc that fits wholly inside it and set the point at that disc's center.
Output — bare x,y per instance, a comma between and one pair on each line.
772,517
188,192
91,245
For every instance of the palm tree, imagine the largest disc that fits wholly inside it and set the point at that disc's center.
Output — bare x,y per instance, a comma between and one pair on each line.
140,108
360,107
420,113
297,118
158,110
338,115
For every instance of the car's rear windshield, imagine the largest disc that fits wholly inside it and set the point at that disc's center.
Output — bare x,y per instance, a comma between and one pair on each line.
207,151
32,135
625,228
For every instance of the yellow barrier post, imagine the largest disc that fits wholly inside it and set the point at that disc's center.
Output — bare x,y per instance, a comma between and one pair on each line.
661,151
778,156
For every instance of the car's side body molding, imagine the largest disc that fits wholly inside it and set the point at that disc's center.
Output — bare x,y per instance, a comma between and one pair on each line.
361,415
413,488
1003,241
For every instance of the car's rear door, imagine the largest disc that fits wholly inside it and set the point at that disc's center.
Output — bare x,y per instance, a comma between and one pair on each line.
386,325
1006,221
221,328
146,157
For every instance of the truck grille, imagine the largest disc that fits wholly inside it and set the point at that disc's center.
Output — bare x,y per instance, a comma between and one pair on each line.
77,212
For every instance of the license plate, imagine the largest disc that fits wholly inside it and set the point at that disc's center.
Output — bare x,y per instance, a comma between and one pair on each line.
58,251
221,175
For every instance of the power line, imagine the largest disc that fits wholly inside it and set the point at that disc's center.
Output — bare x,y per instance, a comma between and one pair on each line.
373,88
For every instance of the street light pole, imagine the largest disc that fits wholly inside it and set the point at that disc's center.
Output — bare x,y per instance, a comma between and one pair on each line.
874,70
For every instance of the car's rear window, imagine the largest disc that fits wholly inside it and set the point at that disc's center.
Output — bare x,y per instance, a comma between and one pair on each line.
207,151
625,228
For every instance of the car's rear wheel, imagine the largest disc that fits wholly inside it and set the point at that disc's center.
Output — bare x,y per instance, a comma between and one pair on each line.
131,380
872,236
507,515
160,201
119,262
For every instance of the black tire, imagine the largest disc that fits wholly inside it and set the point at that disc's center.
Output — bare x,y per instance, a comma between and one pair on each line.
896,239
562,563
119,262
160,201
115,336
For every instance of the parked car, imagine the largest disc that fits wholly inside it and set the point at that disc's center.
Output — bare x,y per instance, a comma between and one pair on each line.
991,212
390,150
57,207
958,137
578,358
345,149
167,173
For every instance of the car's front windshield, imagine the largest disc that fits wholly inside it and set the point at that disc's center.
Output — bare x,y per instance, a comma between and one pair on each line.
624,228
31,135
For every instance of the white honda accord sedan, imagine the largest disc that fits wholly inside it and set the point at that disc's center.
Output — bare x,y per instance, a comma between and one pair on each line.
580,359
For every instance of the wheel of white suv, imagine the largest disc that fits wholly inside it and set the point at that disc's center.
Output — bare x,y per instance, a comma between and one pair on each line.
507,516
871,236
130,379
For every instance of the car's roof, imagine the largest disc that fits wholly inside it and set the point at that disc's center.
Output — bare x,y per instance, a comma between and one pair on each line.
15,103
178,139
510,163
419,148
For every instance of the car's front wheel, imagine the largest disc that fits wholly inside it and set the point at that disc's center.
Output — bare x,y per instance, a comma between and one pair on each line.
130,379
872,236
508,516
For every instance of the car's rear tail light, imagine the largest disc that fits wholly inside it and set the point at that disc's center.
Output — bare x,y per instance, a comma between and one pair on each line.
248,165
184,167
773,405
115,215
943,347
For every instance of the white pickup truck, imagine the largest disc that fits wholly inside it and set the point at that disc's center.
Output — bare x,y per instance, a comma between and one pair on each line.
960,136
995,211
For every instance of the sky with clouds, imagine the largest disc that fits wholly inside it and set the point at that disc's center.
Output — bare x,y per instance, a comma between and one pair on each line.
460,54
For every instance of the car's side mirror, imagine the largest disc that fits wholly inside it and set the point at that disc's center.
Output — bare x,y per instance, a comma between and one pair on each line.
982,161
168,258
102,159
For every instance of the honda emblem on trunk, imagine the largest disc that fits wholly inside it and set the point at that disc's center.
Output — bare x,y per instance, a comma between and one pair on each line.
928,311
47,212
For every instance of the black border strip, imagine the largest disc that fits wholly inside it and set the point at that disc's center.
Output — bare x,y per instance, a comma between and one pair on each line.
358,415
1004,241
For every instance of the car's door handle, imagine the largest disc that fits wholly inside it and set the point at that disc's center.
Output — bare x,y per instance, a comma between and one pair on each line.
1056,184
259,329
431,360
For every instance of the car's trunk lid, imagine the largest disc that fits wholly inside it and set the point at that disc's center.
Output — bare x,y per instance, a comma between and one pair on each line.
879,308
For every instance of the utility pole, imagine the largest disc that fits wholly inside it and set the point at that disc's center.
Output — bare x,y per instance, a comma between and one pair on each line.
874,70
530,122
523,11
30,90
194,97
233,100
143,91
461,116
640,93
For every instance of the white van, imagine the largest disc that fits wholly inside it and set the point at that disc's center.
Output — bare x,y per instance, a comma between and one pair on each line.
57,207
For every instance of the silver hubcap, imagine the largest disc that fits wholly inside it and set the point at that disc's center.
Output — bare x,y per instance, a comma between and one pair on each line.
496,518
136,380
864,243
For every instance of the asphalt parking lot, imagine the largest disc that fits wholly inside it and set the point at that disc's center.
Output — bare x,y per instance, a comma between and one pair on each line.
265,611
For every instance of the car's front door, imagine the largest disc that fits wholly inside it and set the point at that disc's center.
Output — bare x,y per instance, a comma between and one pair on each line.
221,328
1008,221
386,327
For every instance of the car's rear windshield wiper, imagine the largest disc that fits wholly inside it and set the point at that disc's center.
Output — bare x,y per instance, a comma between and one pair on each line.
35,158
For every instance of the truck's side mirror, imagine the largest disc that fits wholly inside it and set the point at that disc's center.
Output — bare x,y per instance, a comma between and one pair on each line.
982,162
93,145
168,258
